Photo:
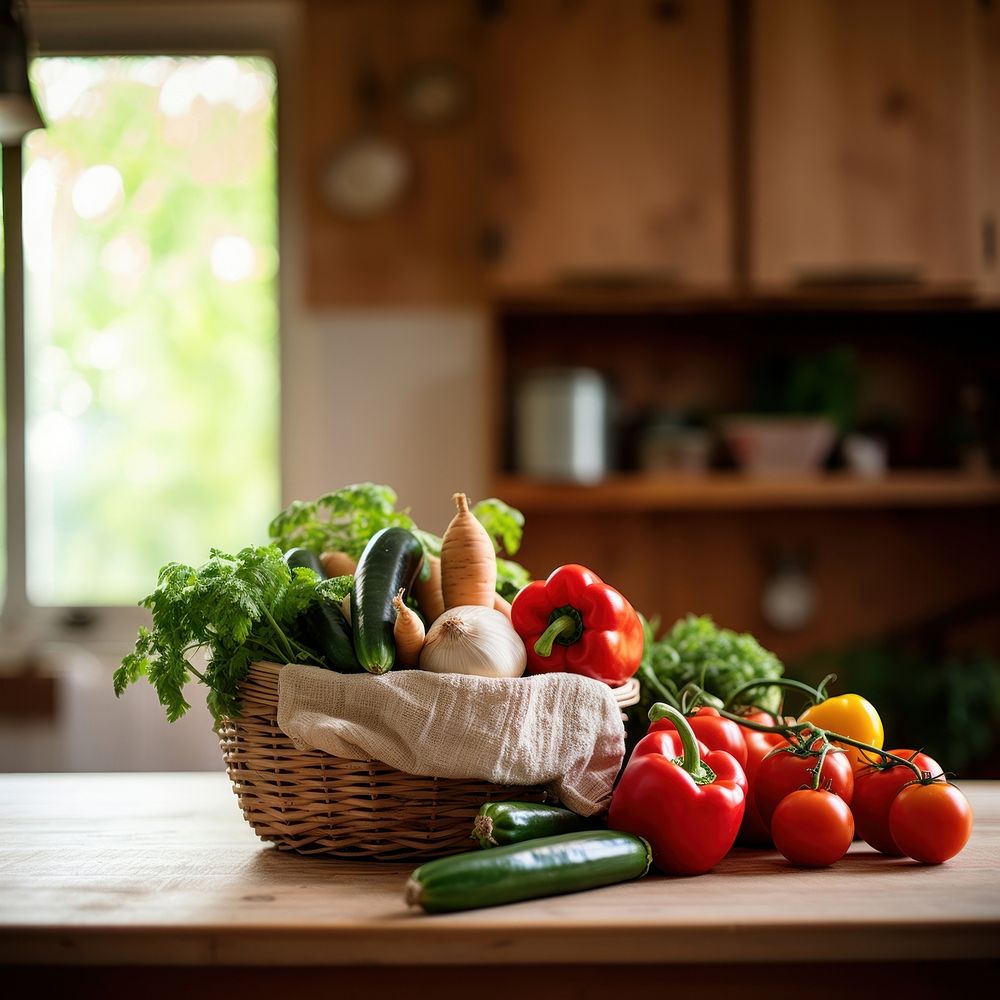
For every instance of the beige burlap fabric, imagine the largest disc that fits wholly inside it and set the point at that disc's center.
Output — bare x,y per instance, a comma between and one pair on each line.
560,731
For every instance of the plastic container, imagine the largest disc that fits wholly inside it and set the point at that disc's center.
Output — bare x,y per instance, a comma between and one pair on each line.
562,425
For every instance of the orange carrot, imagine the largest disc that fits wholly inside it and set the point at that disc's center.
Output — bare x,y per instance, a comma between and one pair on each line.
408,633
501,604
337,564
428,592
468,560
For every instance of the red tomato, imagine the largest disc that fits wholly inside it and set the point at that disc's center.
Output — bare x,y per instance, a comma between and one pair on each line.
812,827
714,731
753,832
786,772
930,823
874,791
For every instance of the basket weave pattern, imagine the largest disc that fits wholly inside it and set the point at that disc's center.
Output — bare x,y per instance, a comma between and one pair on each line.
311,802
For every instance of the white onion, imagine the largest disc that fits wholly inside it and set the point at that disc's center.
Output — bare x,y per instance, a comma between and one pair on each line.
470,639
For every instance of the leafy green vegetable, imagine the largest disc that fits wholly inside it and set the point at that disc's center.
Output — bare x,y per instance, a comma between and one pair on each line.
236,609
503,524
697,651
341,521
345,519
511,577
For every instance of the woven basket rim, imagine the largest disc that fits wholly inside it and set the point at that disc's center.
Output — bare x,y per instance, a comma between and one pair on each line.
267,674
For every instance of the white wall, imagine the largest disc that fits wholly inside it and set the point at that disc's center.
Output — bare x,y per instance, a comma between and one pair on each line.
396,398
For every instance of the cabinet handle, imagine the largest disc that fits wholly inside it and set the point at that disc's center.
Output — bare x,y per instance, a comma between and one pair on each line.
615,279
854,277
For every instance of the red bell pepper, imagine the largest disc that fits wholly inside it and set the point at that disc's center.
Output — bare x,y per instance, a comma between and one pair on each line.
683,798
713,730
574,622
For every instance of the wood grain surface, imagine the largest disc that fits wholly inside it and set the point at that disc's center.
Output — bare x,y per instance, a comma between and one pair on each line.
159,870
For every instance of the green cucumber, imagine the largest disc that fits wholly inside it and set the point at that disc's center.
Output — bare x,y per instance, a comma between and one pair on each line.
322,626
501,823
389,563
547,866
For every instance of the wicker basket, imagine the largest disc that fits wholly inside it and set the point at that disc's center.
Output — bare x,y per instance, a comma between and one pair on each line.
311,802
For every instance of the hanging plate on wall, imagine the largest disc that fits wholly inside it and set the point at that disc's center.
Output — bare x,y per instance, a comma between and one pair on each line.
368,173
366,176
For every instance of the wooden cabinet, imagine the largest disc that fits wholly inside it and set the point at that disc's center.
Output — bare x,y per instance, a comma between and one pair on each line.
986,109
714,146
423,251
608,143
865,140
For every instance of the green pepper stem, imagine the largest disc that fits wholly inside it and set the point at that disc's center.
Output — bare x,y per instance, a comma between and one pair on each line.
563,625
690,758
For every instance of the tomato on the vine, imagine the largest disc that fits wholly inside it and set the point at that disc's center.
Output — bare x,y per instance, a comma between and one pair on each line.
716,732
930,822
787,770
812,827
874,791
848,715
753,831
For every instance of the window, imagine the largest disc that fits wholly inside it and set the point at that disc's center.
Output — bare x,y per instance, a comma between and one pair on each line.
151,414
150,319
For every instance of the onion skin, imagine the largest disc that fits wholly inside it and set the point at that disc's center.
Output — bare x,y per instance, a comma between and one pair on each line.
471,639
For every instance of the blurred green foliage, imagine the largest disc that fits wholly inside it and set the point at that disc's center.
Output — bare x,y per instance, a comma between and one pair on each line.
152,319
948,706
825,383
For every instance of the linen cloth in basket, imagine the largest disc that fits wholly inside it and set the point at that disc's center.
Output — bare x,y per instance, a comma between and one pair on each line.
561,731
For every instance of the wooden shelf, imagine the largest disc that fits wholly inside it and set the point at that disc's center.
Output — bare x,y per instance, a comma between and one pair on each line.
734,491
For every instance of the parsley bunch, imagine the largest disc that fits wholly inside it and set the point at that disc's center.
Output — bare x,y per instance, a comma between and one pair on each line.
237,609
718,660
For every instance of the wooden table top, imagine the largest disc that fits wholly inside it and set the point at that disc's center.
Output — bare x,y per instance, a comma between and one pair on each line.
155,869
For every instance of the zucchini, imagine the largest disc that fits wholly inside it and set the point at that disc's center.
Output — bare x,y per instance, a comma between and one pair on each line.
330,633
389,562
322,625
547,866
501,823
299,557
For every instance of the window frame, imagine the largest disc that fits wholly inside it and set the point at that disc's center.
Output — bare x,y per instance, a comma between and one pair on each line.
268,28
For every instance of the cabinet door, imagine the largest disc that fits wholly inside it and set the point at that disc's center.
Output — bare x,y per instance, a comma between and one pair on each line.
609,145
987,148
862,142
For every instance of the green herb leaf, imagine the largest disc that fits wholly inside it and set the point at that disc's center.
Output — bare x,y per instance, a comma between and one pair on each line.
234,609
504,524
717,659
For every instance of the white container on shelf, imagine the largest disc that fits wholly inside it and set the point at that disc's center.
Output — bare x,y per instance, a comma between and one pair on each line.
562,425
779,445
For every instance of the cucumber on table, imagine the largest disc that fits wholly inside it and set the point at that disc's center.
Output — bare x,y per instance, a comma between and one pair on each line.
547,866
501,823
388,564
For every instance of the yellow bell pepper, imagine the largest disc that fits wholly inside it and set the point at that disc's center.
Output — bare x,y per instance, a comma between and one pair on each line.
849,715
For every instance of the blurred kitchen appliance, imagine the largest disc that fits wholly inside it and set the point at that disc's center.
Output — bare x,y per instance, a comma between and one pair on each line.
562,424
